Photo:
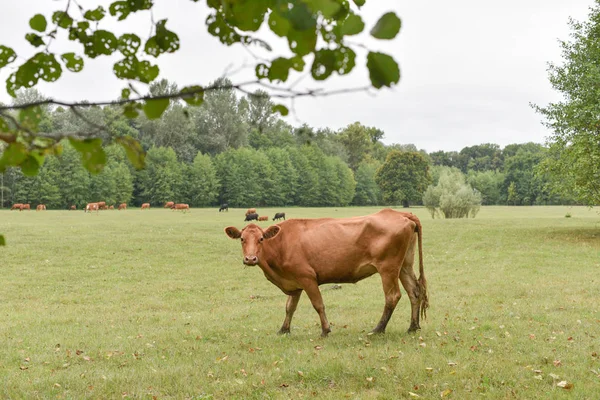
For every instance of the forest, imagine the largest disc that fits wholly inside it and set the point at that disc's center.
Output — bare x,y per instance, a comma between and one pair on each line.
236,149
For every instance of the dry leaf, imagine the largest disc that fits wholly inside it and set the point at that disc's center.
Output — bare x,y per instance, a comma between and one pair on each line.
570,338
370,379
423,344
537,371
318,347
452,364
565,385
284,385
57,385
437,333
300,373
557,363
87,358
23,367
531,336
429,369
538,377
554,376
445,393
78,352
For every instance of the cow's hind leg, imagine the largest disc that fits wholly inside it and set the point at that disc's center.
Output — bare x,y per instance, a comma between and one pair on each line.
391,289
411,285
290,308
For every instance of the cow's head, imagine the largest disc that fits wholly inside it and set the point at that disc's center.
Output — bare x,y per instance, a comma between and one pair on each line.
252,237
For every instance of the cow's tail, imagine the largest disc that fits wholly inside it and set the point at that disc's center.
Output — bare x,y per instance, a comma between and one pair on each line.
422,282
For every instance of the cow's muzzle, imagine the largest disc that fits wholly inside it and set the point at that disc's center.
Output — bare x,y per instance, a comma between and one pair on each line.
250,260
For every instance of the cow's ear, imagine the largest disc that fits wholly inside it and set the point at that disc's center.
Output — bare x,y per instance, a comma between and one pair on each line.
233,232
271,232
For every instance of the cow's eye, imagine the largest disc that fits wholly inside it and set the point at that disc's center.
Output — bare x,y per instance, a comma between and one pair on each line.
261,239
242,239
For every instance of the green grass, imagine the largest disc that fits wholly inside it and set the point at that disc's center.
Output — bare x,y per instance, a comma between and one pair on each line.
157,303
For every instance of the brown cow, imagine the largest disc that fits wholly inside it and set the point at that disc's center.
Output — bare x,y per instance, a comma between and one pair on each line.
40,207
16,206
146,205
25,207
122,206
183,207
111,207
73,207
263,218
92,207
251,211
102,205
300,254
169,204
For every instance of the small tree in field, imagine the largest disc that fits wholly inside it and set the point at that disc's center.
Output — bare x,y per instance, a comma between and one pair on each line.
452,197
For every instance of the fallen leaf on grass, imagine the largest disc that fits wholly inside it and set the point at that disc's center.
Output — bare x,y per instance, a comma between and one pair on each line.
27,359
537,371
370,379
452,364
318,347
78,352
284,385
23,367
413,394
57,385
445,393
557,363
300,373
565,385
87,358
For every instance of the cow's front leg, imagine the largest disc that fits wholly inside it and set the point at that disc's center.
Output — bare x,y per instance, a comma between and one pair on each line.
314,294
290,308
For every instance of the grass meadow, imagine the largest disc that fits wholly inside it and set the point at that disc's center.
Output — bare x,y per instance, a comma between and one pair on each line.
157,304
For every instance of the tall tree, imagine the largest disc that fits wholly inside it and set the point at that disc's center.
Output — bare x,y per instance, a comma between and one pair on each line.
403,177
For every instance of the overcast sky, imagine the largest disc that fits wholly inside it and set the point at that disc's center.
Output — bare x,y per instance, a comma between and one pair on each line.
469,68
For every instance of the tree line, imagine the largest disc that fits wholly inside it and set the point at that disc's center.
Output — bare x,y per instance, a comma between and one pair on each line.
236,149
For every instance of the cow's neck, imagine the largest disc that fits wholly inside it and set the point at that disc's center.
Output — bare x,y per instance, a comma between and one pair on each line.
270,266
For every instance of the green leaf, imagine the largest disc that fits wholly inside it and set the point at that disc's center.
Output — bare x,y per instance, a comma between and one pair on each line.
133,149
30,118
196,96
120,8
164,41
2,241
359,3
73,62
62,19
129,44
94,15
125,93
302,42
41,65
383,70
130,110
32,164
93,156
387,27
38,23
100,43
7,55
323,64
301,17
327,8
147,72
281,109
353,25
154,108
13,155
35,40
279,69
278,24
246,15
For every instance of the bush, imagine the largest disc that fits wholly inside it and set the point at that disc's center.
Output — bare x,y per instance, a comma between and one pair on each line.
452,197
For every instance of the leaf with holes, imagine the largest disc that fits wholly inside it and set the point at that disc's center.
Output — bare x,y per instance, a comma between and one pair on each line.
62,19
147,72
125,93
301,17
100,43
94,15
345,60
35,40
353,25
154,108
323,64
93,156
302,42
164,41
281,109
129,44
387,27
278,24
73,62
120,9
327,8
133,149
38,23
246,15
30,118
383,70
7,55
193,95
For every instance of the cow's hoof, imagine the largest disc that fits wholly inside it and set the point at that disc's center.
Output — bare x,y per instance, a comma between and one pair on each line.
414,328
284,331
378,331
325,333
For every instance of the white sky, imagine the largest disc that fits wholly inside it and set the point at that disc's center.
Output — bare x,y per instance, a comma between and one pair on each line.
469,68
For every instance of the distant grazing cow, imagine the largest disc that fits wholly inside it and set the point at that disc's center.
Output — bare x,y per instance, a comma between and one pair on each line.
301,254
111,207
40,207
279,216
25,207
224,207
91,207
146,205
102,205
73,208
169,204
182,207
252,216
17,206
251,211
123,206
265,218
